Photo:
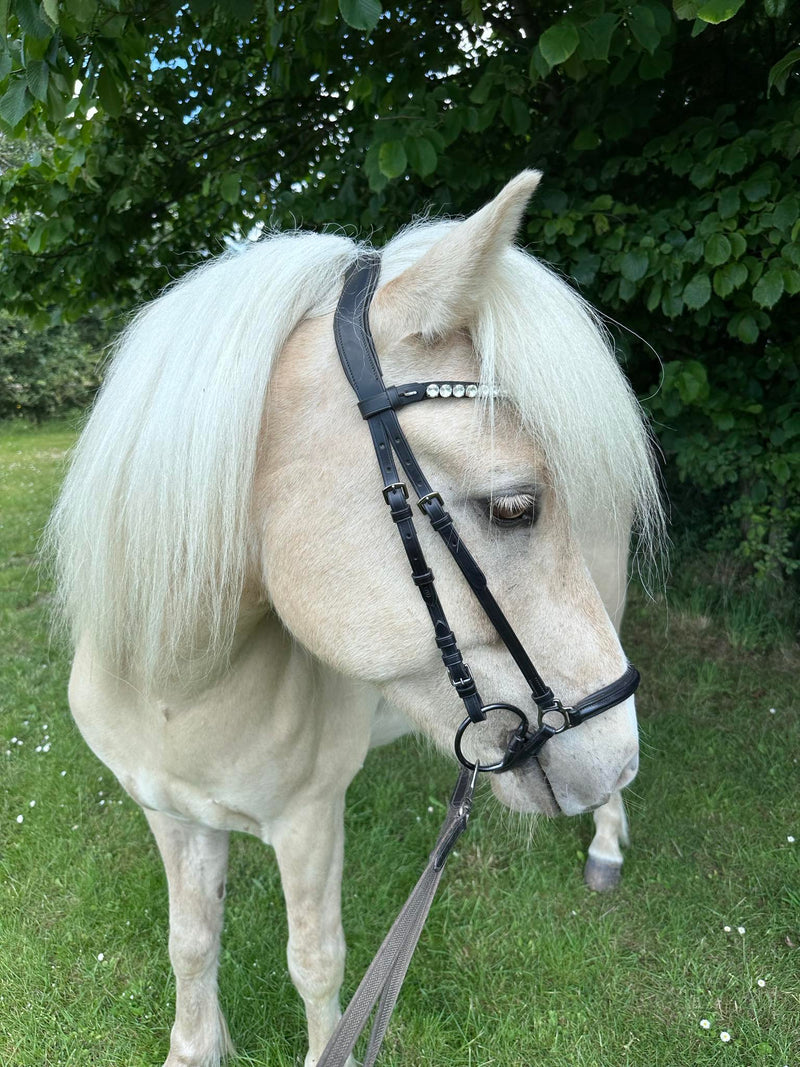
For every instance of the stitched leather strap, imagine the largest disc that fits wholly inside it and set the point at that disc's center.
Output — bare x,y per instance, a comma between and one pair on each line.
384,977
361,365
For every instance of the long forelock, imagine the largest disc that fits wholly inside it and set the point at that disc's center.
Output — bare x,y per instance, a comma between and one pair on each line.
546,349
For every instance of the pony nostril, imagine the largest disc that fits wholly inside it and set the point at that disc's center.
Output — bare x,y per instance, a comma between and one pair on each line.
628,773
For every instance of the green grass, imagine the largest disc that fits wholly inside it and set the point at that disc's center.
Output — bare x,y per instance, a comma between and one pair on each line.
519,964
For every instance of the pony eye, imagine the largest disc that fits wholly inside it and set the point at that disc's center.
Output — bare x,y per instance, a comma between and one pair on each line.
518,509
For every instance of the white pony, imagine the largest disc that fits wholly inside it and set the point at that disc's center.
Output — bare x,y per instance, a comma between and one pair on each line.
245,623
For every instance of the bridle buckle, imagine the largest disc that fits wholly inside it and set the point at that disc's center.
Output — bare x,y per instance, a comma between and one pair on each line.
423,500
466,682
395,485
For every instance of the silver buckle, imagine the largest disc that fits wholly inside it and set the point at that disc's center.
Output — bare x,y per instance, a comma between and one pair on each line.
395,485
423,500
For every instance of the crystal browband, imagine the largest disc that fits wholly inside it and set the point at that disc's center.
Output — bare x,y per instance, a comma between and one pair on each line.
456,389
398,396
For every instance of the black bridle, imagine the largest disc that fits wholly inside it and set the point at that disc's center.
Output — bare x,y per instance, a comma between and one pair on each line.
378,406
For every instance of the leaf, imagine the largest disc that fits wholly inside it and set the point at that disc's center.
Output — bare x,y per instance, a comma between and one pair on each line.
643,27
83,10
786,213
738,244
716,11
779,74
37,76
654,296
756,189
691,381
728,278
538,66
627,290
655,66
585,268
238,10
702,175
473,11
15,103
516,115
558,43
597,36
717,250
229,187
109,93
377,180
791,281
30,19
451,126
392,159
35,239
326,12
728,203
586,139
747,330
698,292
362,88
685,9
421,155
769,289
723,286
50,8
361,14
481,91
733,159
5,65
634,266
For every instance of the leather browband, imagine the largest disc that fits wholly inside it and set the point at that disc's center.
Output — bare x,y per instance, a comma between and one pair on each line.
378,406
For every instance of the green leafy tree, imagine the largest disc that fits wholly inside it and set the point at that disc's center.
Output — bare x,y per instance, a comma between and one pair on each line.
51,371
669,136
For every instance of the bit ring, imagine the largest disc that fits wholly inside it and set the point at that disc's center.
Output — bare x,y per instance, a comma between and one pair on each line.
503,763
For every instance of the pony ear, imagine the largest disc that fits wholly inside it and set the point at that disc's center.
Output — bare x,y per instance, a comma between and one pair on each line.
439,292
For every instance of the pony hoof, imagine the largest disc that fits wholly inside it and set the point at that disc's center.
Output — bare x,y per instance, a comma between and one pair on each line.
601,876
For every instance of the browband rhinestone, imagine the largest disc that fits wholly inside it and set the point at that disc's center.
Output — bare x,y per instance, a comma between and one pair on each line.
448,389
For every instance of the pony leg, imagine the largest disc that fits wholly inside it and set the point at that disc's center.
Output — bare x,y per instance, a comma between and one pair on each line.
604,865
309,846
195,860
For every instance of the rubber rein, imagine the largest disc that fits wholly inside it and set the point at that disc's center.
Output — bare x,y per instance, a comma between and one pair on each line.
379,406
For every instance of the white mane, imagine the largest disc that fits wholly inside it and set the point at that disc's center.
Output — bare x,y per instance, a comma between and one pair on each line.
152,534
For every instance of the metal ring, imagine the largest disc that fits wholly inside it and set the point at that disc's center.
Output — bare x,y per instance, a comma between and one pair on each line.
558,709
501,764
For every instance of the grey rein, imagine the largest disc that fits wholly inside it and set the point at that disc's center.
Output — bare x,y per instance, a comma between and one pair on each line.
378,406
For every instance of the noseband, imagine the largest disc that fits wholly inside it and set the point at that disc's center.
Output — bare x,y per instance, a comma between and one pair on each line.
378,406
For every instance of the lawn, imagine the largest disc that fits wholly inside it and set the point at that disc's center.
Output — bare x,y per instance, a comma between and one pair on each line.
519,964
